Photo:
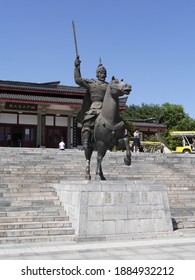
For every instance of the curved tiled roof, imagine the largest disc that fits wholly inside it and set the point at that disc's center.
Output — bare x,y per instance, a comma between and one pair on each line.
39,98
148,124
53,87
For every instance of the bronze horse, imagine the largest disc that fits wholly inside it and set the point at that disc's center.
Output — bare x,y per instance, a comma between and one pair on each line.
109,128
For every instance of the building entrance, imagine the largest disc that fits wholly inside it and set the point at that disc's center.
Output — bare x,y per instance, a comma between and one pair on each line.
20,136
17,136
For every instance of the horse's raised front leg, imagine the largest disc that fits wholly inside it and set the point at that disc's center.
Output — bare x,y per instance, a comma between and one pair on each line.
127,159
88,153
124,142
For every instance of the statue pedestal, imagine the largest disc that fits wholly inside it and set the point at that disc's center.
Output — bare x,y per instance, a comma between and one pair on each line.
115,208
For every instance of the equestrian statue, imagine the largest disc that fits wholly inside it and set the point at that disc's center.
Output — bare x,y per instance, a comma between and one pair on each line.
102,126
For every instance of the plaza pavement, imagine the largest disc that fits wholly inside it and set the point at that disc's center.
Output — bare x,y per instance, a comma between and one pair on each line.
171,248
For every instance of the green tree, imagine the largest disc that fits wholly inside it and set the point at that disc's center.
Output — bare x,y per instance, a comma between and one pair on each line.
142,112
172,114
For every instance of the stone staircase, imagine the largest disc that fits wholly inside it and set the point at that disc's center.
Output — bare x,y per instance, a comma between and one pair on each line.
30,209
31,212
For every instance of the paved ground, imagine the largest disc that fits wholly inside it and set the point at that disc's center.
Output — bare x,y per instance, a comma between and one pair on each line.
172,248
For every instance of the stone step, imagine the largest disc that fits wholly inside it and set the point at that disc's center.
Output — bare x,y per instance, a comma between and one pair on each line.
19,194
182,205
185,201
36,239
38,178
186,218
183,225
180,191
178,212
29,211
21,166
36,232
14,197
35,225
186,193
180,188
27,188
30,205
32,213
28,219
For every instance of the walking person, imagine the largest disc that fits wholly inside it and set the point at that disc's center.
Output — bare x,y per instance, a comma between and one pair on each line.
8,139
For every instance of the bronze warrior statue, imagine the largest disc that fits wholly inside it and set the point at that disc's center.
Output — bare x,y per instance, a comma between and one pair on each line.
92,102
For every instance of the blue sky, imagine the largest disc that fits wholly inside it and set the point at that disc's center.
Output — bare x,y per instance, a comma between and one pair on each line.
148,43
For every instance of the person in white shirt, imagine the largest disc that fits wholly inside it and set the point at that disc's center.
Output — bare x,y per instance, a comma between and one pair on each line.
136,141
62,145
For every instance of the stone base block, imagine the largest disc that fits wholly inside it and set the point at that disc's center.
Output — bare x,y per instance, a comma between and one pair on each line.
99,208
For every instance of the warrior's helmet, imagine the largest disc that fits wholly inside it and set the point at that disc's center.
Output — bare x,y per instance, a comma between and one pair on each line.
101,68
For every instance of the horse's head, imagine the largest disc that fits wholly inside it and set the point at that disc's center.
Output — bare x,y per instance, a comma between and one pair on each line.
119,88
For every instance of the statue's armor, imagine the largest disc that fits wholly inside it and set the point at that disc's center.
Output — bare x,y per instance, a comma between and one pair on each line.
96,90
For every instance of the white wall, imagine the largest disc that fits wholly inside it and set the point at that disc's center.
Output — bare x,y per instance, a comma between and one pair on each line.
27,119
8,118
49,120
61,121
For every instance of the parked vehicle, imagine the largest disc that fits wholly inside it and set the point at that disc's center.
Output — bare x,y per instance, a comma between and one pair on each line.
187,139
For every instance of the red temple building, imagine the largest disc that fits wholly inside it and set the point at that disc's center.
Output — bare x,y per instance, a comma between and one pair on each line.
39,114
